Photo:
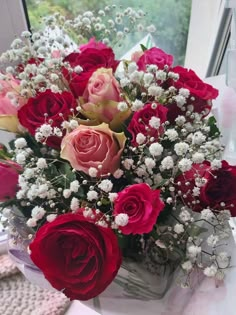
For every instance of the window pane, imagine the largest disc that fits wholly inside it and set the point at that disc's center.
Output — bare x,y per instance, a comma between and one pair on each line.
170,17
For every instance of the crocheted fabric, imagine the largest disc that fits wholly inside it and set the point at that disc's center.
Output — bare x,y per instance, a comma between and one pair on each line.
20,297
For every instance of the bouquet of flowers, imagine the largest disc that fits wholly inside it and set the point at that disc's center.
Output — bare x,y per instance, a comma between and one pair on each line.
114,161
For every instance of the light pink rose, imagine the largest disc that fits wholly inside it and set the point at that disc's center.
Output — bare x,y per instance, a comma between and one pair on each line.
136,56
8,87
56,54
92,146
100,99
102,86
9,173
8,112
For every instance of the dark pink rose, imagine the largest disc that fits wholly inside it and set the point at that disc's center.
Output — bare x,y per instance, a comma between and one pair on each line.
140,121
142,205
93,44
154,56
9,173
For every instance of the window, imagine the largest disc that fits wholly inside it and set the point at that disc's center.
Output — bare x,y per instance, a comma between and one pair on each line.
171,19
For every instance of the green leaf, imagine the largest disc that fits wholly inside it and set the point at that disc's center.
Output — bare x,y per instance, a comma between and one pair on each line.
105,201
123,241
164,214
161,183
143,47
12,144
214,131
177,254
65,169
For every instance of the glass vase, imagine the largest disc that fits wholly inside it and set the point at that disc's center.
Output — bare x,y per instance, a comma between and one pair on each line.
136,282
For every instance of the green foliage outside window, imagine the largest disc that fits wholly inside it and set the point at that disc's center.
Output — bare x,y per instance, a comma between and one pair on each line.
171,18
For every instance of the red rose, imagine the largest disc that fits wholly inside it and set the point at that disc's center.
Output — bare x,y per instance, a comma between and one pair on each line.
90,59
154,56
76,256
142,205
9,173
32,114
31,61
202,92
189,80
198,171
218,186
140,121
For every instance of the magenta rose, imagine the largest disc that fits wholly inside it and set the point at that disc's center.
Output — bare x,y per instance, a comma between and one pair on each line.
93,146
90,59
142,205
76,255
93,44
202,92
140,121
32,114
154,56
9,174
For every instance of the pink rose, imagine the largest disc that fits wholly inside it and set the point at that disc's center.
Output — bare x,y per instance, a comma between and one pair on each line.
142,205
93,44
154,56
92,146
9,173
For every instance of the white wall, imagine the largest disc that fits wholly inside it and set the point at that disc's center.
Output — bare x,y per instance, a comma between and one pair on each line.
12,22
